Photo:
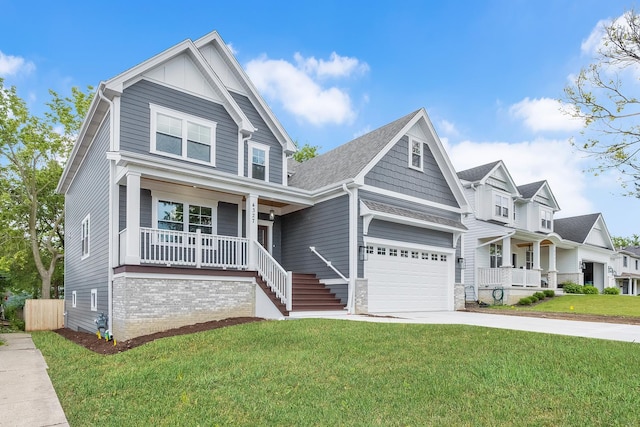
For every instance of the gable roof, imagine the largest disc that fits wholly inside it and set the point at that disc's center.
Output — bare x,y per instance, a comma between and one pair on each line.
530,190
348,160
479,172
575,228
634,250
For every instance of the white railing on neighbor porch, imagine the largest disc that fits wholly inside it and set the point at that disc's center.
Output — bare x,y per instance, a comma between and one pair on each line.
490,277
276,277
525,278
179,248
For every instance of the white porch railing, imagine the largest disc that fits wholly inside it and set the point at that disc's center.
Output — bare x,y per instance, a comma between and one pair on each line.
329,264
179,248
276,277
489,277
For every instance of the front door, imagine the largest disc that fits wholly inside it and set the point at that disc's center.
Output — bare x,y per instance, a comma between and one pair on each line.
263,237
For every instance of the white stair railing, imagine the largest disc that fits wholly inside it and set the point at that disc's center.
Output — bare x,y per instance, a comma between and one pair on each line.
277,278
329,264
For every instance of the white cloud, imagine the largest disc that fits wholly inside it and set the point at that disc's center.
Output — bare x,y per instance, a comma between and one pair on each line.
12,65
592,44
337,66
448,128
531,161
544,114
232,49
297,87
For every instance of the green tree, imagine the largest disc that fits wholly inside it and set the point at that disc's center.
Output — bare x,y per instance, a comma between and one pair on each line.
623,242
305,152
32,150
608,107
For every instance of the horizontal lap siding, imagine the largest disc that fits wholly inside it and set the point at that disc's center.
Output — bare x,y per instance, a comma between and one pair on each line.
325,226
145,208
88,195
393,173
263,136
227,219
136,119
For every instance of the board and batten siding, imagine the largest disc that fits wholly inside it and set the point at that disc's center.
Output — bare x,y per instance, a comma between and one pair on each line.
88,194
325,226
262,136
393,173
135,121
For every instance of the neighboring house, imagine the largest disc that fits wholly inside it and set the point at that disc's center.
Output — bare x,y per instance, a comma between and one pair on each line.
591,260
182,206
627,270
515,246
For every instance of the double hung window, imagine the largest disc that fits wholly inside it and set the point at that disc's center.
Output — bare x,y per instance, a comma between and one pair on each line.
501,206
84,246
495,255
259,157
171,216
416,154
182,136
545,219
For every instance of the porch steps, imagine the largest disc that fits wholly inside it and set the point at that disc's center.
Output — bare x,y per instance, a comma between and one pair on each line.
311,295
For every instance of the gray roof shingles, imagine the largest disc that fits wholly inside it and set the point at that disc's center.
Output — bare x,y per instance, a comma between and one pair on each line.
477,173
529,190
346,161
409,213
575,228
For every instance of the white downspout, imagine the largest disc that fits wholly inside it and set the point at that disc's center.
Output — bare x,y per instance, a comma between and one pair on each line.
111,246
353,247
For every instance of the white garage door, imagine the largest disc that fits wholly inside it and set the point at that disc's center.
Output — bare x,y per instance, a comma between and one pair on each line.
408,279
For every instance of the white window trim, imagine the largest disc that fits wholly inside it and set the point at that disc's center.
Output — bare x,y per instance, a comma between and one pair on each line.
413,139
186,202
74,299
87,221
493,206
265,148
94,299
155,109
550,220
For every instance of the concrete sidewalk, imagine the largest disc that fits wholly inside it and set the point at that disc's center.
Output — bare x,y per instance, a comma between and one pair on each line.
607,331
27,397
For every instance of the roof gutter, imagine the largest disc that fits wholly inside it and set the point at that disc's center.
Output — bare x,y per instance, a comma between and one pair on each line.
509,234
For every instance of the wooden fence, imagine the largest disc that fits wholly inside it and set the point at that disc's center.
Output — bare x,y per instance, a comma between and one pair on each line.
43,314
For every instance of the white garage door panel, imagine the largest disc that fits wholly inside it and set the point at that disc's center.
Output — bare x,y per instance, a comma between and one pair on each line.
399,283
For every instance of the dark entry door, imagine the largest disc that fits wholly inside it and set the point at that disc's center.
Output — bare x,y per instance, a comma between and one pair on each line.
263,237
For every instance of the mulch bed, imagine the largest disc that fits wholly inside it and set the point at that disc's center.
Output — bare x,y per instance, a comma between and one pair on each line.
102,346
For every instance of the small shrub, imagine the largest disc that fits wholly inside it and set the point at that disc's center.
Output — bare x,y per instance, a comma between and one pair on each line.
533,298
572,288
549,293
540,295
525,301
611,291
590,290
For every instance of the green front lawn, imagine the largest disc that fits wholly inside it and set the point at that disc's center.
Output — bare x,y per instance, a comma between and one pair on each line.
607,305
329,372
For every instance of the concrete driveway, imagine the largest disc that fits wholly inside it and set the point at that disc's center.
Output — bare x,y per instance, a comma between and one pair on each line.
606,331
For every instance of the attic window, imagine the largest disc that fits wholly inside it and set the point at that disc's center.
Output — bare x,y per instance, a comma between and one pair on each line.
259,157
545,219
416,155
180,135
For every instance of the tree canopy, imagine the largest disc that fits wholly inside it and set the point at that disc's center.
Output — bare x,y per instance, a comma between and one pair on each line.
32,152
305,152
605,96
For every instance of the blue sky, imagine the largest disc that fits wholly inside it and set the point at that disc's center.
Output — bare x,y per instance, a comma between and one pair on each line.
487,72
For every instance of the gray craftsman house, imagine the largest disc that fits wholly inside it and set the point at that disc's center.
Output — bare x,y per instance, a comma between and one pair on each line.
183,205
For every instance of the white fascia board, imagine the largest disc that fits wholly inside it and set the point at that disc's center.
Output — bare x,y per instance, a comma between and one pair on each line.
170,170
65,179
132,75
514,188
271,120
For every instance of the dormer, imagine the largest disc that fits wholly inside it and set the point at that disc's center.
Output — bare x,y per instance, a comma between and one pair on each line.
538,206
495,192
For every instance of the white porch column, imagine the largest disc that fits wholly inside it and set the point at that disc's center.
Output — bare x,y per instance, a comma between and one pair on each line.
252,227
506,252
536,255
552,257
132,251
